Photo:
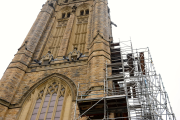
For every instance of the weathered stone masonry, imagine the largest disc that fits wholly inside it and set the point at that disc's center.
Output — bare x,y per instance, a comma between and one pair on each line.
23,73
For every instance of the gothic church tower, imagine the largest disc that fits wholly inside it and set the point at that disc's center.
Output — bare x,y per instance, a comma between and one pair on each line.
69,68
69,43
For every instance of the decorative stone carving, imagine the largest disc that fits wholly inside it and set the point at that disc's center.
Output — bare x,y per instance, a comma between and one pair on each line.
74,8
47,59
82,20
62,23
74,55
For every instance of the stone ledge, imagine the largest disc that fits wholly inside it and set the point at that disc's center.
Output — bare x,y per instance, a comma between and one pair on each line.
19,62
5,103
17,68
98,50
92,44
98,56
9,105
24,54
57,66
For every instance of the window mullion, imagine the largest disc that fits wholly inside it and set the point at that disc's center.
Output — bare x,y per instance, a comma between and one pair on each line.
57,98
41,105
48,106
33,102
64,102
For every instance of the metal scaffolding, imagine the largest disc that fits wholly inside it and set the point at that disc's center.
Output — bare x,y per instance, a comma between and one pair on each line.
133,90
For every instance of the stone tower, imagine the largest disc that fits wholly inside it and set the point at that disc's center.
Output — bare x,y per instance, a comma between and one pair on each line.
69,68
67,44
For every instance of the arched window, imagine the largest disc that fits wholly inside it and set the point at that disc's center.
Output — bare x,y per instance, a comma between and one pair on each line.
68,15
47,102
82,12
51,103
87,12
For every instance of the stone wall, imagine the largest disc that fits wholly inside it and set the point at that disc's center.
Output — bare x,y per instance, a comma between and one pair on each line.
23,73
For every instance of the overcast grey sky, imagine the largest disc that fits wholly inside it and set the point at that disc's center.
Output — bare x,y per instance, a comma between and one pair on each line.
149,23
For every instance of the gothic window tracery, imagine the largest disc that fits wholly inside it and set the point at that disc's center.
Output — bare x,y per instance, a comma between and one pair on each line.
51,97
48,102
66,15
58,32
81,29
57,37
84,12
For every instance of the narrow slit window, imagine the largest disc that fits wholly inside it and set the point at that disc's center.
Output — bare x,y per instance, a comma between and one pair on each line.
68,15
63,15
